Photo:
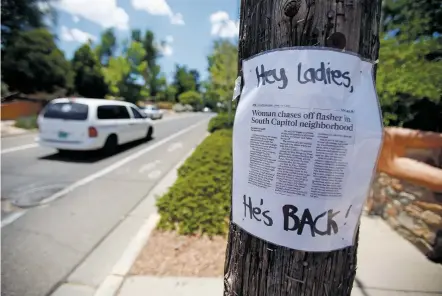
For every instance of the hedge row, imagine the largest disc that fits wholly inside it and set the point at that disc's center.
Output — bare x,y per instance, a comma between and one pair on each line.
199,201
221,121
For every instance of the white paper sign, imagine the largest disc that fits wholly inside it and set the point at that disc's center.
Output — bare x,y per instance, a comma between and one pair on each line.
306,139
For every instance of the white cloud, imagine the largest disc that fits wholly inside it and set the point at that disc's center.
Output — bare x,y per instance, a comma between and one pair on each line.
223,26
76,35
159,7
177,19
169,39
166,48
75,19
106,13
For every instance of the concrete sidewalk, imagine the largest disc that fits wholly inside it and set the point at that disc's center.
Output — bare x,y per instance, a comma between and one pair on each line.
387,265
8,129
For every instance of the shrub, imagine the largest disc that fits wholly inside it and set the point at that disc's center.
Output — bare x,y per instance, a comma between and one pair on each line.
165,105
179,108
192,98
29,122
199,201
188,108
221,121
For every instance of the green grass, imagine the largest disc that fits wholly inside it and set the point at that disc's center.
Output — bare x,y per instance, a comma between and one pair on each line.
29,122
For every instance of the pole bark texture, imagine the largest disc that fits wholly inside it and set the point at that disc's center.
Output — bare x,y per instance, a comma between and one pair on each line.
254,267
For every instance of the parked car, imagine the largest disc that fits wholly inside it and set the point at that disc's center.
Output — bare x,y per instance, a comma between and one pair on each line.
91,124
153,112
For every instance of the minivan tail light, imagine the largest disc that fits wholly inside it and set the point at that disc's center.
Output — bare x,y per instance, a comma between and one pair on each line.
93,133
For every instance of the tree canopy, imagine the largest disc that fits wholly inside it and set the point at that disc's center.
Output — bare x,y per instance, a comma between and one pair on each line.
410,63
33,63
185,79
89,81
409,72
107,47
223,63
23,15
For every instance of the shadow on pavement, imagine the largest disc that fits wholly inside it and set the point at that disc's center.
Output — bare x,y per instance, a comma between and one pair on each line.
90,156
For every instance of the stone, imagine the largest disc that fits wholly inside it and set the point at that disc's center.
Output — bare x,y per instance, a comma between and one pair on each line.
406,195
389,211
406,221
413,211
431,218
397,203
396,185
389,191
383,180
405,201
436,208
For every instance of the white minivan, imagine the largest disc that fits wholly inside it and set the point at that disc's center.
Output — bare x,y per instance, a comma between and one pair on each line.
91,124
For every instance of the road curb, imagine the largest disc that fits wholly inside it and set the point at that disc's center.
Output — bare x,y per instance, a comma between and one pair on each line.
113,282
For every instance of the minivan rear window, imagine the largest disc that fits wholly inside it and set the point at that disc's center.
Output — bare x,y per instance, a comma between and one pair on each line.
66,111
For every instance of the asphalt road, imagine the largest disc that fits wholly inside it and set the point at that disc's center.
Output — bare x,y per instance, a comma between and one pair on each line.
56,210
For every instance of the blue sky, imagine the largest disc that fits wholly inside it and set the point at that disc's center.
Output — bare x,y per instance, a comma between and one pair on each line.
188,26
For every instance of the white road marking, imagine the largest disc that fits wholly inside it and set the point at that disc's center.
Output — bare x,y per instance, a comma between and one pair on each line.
175,146
18,148
34,145
11,218
154,175
117,164
149,166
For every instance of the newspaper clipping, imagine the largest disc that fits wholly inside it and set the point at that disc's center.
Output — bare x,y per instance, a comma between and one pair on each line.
307,135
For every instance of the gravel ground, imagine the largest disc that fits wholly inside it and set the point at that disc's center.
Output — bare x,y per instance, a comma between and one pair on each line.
170,254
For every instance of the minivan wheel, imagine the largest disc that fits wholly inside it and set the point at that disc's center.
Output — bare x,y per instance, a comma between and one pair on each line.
110,147
149,133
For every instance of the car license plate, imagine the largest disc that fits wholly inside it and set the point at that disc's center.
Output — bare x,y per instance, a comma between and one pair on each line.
62,135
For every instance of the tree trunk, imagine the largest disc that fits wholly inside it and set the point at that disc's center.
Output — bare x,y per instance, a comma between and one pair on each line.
255,267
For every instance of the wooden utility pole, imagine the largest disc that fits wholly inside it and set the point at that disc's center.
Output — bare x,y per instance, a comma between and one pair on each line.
255,267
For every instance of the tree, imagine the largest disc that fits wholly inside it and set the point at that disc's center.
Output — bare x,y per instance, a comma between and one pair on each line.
89,80
33,63
222,64
167,93
412,44
398,84
22,15
107,47
253,266
115,75
184,80
136,35
124,73
152,54
196,78
192,98
412,19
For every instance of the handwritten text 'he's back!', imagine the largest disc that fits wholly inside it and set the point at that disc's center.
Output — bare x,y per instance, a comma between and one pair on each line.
322,74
